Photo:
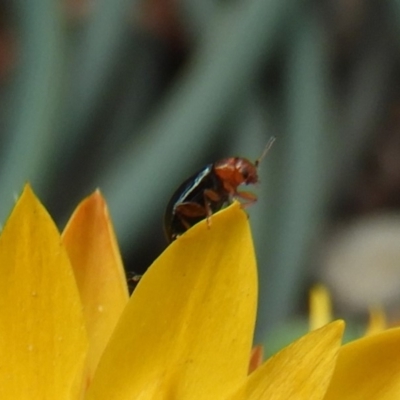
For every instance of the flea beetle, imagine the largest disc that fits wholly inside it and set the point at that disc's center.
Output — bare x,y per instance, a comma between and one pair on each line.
209,190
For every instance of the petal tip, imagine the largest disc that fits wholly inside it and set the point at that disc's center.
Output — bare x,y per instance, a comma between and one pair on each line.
97,193
93,201
339,326
27,191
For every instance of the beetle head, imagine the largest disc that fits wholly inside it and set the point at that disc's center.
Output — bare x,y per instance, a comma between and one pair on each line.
247,171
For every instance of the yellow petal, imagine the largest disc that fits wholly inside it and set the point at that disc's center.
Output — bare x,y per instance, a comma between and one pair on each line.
187,330
301,371
368,369
92,248
377,321
320,307
43,339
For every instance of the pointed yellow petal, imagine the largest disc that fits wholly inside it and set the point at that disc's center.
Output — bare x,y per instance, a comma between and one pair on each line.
320,307
377,321
187,330
92,248
43,340
301,371
368,369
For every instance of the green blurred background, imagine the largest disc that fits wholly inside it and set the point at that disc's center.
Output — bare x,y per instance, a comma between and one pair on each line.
133,97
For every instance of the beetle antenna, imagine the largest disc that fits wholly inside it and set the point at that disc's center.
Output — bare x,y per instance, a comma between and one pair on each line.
266,149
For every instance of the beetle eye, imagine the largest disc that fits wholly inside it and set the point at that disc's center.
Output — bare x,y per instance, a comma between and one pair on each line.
245,174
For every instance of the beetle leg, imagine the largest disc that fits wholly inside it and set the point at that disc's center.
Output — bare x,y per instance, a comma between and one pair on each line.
193,210
184,222
210,195
190,210
250,197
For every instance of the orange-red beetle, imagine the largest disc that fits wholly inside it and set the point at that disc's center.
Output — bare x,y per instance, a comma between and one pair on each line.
209,190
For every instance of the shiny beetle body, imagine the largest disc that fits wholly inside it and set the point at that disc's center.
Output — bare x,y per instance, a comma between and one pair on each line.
206,192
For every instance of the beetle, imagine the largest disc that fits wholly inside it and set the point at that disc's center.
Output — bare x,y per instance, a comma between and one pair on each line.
209,190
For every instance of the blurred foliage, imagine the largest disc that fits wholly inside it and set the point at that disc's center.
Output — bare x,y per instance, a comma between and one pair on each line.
133,97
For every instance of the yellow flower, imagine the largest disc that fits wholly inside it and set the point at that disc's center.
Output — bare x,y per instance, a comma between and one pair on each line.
69,331
320,307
